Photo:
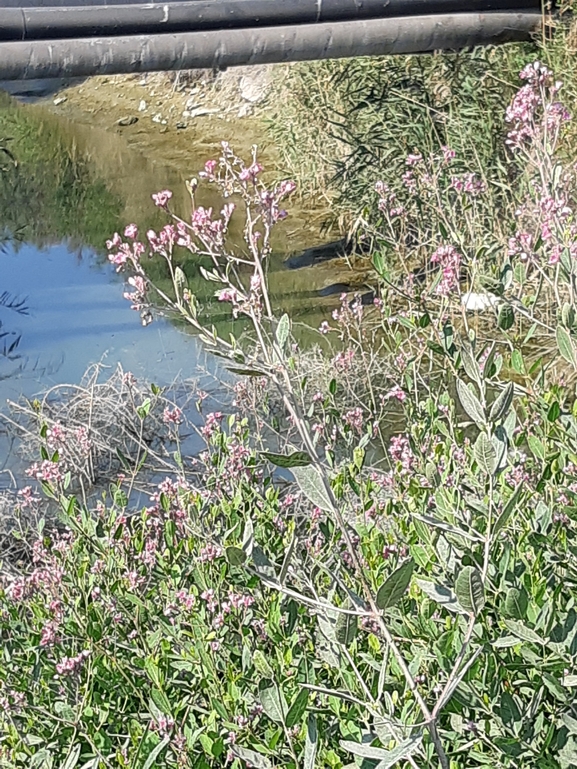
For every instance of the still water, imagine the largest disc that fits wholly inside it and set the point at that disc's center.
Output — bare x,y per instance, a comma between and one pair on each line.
64,189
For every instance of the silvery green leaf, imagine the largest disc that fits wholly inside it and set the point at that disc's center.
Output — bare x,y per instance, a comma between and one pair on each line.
236,556
261,665
311,743
470,403
262,565
180,279
282,331
516,603
485,454
505,317
312,486
470,590
73,757
257,760
273,701
395,586
155,752
346,628
401,752
500,444
502,403
442,595
569,681
470,364
296,459
523,632
248,537
565,345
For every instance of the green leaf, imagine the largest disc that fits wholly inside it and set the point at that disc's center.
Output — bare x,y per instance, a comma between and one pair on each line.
500,444
311,743
273,701
470,403
569,681
155,752
517,362
261,665
505,317
262,564
236,556
297,709
180,280
312,486
568,315
470,364
296,459
502,404
537,448
73,757
251,757
523,632
554,686
395,586
161,701
470,590
565,345
282,331
506,641
64,710
401,752
386,758
503,519
442,595
516,603
346,628
554,412
485,454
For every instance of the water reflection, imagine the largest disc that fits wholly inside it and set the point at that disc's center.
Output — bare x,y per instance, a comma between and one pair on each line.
64,188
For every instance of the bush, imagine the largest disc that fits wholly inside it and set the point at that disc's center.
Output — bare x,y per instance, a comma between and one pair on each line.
370,569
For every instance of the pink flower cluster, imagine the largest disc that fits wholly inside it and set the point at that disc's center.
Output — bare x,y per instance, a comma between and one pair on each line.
449,261
533,111
400,451
69,665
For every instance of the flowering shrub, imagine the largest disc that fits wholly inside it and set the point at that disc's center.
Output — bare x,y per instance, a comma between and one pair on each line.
405,598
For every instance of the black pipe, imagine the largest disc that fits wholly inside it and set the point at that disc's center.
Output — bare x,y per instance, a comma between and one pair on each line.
86,19
227,48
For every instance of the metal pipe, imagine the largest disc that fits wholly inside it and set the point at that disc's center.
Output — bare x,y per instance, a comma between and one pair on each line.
229,48
88,19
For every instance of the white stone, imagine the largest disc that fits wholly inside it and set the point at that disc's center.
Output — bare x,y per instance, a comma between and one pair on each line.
475,302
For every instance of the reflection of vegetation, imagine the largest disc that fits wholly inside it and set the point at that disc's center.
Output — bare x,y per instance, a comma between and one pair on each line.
47,190
9,339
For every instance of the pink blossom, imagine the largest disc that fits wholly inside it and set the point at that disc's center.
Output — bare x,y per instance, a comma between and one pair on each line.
161,198
172,416
131,231
449,260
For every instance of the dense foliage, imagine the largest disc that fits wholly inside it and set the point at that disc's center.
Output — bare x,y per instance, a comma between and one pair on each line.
371,563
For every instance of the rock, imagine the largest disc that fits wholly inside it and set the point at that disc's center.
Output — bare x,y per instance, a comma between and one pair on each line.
128,120
474,302
59,100
142,106
200,111
181,126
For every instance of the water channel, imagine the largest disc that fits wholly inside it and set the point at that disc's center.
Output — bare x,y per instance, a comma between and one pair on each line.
64,189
